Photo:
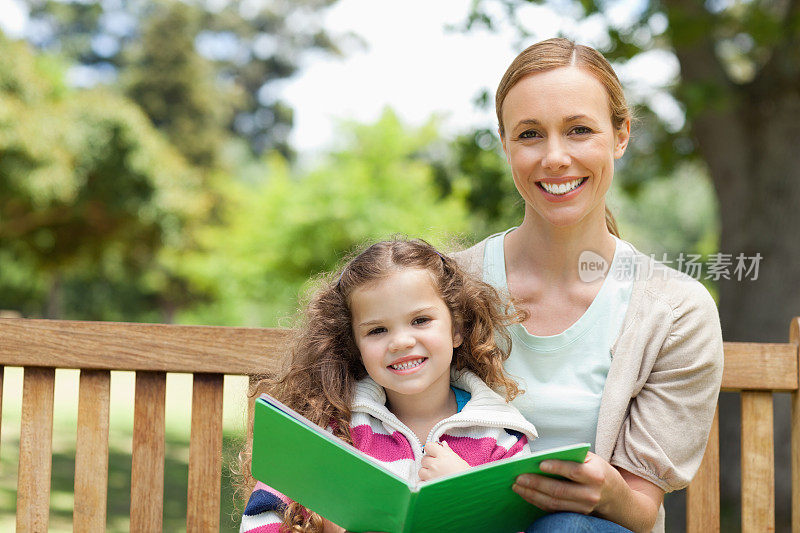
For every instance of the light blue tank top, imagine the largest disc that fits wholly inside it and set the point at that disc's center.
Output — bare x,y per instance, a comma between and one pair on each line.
563,375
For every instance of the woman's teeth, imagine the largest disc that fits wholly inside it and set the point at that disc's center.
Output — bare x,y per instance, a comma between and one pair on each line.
408,364
561,188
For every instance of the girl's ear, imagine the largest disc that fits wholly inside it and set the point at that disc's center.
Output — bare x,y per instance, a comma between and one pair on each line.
457,339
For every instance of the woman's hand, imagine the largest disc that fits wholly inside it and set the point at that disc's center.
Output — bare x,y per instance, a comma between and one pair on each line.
593,487
440,460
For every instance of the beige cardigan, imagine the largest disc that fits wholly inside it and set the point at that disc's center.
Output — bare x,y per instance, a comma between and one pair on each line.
666,369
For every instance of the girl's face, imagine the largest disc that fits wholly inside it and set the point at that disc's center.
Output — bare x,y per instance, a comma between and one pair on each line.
404,332
561,144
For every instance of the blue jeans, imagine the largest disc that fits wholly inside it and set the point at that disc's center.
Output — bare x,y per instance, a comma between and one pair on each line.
574,523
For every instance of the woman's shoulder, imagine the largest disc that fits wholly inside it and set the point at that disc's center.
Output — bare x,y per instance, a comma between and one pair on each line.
471,258
673,288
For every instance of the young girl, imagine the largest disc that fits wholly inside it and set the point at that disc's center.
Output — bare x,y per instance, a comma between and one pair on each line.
398,356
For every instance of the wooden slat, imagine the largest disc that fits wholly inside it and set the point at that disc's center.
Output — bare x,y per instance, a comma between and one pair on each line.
758,477
91,452
2,372
147,468
760,366
35,449
205,454
156,347
702,494
251,410
794,337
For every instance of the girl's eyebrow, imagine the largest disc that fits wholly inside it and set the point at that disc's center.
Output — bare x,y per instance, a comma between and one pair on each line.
414,312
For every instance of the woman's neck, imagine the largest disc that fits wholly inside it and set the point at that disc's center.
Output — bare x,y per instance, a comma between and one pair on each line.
552,253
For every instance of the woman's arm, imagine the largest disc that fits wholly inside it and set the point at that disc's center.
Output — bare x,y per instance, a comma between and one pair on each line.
594,487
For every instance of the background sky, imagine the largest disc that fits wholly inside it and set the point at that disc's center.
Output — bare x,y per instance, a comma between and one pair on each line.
411,62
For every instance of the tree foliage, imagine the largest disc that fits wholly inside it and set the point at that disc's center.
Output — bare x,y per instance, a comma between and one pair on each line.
167,47
279,231
84,178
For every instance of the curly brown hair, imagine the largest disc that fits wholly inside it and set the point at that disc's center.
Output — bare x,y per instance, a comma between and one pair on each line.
320,375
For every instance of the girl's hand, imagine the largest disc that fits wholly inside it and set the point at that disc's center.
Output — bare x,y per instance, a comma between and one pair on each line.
595,487
440,460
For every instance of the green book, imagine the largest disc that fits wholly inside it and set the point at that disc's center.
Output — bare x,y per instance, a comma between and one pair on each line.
353,490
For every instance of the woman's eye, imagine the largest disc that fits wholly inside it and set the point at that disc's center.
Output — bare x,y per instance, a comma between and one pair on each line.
581,130
530,134
420,320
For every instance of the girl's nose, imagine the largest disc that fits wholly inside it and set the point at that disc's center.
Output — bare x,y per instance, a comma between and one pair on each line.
401,341
556,157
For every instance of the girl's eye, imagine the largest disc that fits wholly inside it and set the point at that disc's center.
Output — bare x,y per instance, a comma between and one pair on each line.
375,331
420,320
581,130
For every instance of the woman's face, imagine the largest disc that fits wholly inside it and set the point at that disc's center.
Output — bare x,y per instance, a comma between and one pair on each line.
561,144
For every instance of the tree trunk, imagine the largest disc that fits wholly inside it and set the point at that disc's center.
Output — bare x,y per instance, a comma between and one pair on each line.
54,307
760,211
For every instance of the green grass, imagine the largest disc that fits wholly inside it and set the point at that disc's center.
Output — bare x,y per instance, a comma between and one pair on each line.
178,417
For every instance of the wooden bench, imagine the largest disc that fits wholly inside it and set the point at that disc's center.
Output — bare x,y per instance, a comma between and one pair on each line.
757,370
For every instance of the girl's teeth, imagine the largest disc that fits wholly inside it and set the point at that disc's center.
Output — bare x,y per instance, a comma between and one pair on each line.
408,364
561,188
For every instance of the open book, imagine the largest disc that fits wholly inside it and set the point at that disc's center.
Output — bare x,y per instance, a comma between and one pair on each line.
355,491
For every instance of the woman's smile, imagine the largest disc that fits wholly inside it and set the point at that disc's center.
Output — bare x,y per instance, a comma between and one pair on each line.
562,190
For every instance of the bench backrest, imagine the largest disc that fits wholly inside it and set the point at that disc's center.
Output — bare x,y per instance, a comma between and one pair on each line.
151,350
756,371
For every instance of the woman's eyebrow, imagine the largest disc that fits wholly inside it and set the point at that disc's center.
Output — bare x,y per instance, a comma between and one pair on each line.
534,122
527,122
572,118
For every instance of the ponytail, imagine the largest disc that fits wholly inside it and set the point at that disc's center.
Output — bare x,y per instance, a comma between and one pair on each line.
611,223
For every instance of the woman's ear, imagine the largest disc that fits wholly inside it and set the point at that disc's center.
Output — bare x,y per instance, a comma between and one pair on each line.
623,136
503,144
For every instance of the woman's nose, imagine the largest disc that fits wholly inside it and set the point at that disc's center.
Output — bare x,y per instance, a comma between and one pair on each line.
556,156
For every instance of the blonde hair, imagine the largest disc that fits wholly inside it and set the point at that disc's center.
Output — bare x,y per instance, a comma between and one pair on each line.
555,53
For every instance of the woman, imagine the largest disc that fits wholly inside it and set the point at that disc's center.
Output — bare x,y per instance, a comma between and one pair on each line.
630,362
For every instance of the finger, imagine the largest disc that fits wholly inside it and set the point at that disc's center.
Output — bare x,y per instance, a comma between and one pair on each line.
549,503
432,449
590,472
568,469
558,489
424,474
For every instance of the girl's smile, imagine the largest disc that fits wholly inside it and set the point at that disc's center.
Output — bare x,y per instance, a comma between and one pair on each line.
408,365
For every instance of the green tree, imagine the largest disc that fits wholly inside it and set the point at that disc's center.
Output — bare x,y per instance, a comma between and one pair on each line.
246,48
280,230
85,182
175,86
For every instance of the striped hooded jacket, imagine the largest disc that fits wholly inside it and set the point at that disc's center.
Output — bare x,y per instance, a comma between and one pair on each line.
486,429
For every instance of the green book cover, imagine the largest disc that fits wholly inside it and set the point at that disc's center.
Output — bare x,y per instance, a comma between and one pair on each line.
355,491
